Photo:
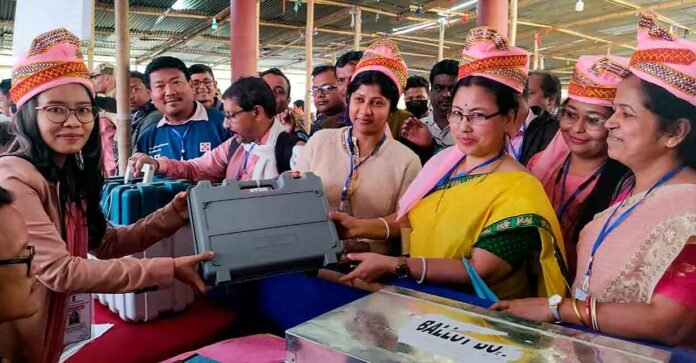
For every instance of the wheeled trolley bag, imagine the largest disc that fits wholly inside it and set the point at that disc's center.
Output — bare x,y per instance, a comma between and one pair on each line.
124,203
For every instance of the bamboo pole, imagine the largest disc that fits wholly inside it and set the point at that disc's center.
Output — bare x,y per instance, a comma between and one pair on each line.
441,42
513,22
90,43
535,65
358,28
122,85
309,37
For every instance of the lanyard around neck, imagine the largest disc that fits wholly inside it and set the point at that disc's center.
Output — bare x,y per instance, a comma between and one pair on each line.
182,138
565,170
610,225
354,160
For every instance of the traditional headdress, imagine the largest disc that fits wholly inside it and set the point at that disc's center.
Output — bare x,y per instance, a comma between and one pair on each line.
487,53
384,56
54,59
664,59
595,79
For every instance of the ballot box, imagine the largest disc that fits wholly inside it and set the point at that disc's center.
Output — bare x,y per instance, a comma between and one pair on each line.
401,325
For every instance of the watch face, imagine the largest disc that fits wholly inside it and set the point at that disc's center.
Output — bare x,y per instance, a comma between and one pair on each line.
401,271
555,300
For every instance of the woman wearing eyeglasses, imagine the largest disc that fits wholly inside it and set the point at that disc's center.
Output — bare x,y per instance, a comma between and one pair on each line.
55,173
363,169
577,174
478,216
637,259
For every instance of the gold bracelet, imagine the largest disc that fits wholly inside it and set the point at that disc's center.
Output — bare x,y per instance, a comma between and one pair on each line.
593,304
577,312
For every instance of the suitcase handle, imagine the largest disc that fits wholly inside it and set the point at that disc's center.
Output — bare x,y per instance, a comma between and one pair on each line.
254,184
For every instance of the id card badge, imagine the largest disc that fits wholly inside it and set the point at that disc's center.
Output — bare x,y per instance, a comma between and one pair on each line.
78,326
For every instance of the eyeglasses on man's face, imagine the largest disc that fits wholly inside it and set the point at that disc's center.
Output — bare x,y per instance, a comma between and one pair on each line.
325,89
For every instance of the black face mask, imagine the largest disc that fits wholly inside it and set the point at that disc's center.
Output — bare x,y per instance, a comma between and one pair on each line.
418,108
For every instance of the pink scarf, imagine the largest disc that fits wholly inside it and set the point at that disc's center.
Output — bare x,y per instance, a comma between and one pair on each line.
76,241
545,164
432,172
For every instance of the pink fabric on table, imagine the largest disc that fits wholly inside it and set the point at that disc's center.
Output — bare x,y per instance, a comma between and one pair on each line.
679,282
262,348
664,59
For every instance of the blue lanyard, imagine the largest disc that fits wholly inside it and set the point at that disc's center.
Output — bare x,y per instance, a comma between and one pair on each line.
447,177
517,153
182,138
608,226
565,169
355,163
246,160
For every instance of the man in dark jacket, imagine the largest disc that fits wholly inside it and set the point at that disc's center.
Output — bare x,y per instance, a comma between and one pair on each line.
537,129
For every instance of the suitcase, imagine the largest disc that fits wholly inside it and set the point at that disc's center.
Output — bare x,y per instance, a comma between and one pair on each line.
258,233
124,203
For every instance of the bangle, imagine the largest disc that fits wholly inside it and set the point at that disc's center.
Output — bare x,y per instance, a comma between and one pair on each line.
577,312
595,324
386,225
425,267
588,313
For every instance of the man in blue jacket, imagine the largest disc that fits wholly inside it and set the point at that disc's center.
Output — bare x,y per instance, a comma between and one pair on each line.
187,130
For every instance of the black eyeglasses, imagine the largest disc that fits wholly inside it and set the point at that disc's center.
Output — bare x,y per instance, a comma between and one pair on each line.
327,88
230,116
59,114
474,118
21,260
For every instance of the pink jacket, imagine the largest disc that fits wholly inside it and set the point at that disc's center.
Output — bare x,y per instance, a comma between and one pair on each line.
61,273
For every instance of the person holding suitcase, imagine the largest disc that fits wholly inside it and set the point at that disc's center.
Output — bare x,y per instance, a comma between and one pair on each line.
55,174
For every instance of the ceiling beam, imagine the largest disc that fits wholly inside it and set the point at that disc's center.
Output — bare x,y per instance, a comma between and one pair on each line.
186,36
142,10
637,7
608,17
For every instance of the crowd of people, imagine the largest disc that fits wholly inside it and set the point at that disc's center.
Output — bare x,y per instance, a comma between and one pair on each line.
580,210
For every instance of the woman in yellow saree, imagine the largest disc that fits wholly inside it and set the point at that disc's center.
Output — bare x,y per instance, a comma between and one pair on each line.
479,218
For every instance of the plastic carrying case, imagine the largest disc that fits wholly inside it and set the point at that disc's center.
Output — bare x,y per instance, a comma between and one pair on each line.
125,203
262,228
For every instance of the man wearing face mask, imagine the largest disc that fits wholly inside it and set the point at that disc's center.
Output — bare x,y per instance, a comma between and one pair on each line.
416,96
430,132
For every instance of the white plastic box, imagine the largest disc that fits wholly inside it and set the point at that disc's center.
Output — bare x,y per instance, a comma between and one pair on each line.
147,306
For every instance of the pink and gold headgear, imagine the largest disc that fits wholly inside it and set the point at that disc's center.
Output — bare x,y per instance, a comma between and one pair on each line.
488,54
664,59
384,56
595,79
53,59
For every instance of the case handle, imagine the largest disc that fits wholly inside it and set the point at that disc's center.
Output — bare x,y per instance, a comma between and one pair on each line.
254,184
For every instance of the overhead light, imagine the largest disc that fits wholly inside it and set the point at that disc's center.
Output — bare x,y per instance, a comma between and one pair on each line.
179,5
463,5
411,28
579,6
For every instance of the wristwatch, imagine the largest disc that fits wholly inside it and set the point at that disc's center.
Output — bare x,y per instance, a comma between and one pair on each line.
402,271
554,302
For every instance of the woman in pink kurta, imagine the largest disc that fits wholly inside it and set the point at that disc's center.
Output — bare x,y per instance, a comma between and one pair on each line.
637,259
576,171
55,173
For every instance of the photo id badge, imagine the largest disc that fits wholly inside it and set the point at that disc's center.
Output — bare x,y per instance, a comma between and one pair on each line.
78,326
